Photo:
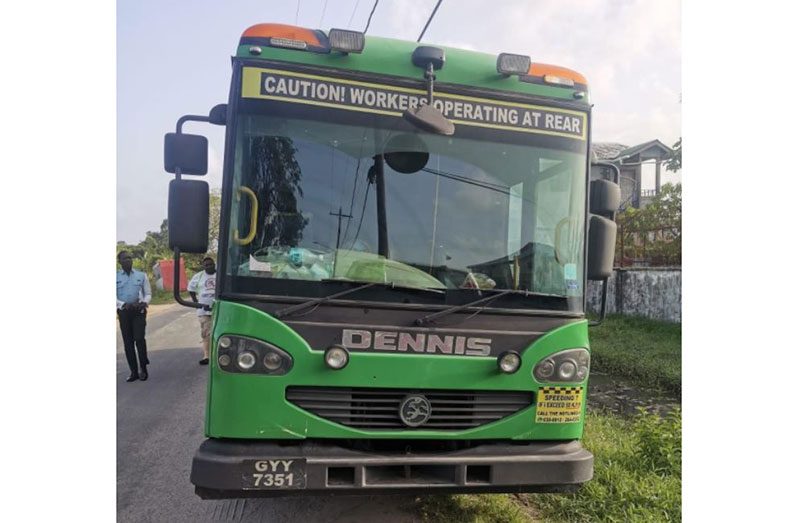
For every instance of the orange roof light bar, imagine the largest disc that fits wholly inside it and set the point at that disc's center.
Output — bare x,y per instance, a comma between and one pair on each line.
557,75
289,32
285,36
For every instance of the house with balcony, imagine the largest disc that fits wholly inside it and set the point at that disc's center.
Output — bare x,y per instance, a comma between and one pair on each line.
630,161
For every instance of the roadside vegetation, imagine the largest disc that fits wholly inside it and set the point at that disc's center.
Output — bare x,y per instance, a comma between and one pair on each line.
637,467
160,297
637,473
155,247
646,352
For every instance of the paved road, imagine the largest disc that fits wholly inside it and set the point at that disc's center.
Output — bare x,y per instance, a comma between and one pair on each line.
160,425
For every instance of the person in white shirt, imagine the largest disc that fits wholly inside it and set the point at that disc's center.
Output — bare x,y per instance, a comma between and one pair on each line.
202,289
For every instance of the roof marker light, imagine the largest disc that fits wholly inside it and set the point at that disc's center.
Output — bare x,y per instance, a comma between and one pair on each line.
288,43
558,80
509,64
347,41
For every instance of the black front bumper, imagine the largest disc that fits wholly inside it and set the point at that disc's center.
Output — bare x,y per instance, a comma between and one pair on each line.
220,469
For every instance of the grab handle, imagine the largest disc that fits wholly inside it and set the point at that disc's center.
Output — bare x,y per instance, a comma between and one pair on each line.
253,223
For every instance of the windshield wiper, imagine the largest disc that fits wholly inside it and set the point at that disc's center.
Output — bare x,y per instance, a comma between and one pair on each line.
429,318
315,301
392,285
305,304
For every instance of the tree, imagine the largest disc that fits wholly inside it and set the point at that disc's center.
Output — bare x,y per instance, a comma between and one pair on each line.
155,245
653,233
276,177
214,215
674,161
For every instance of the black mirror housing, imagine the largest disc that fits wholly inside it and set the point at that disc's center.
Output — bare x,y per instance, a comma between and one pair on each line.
600,247
189,202
187,152
605,197
218,114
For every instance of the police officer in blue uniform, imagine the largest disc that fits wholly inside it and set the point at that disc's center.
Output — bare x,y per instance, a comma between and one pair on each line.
133,295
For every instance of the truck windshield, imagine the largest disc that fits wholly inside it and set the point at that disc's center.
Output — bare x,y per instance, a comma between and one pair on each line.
472,214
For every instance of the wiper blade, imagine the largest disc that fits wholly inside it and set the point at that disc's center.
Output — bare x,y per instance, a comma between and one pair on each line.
305,304
392,285
429,318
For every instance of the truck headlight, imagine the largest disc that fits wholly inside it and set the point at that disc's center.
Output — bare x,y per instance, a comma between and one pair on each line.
336,357
509,362
246,360
272,360
252,356
568,365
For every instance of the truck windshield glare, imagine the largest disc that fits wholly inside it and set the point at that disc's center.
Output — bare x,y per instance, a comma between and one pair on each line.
475,214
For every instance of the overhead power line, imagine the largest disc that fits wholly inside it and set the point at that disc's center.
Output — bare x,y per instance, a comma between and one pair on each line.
349,23
370,15
429,20
323,10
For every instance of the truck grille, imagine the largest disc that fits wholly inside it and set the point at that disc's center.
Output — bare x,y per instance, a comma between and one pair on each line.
367,408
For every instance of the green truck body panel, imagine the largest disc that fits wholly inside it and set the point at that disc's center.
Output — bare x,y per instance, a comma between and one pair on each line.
385,56
253,406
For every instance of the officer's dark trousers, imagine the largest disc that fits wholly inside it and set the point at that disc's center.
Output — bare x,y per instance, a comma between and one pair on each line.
132,324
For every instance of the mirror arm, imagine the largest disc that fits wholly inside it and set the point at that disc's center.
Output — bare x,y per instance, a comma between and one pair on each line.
176,285
430,75
190,118
603,313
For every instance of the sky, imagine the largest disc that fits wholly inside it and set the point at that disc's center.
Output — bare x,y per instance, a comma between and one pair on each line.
173,58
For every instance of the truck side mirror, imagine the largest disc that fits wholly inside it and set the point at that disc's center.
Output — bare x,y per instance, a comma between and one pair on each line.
600,247
605,197
188,215
186,152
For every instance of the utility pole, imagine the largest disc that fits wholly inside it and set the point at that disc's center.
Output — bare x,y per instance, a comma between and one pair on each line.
340,215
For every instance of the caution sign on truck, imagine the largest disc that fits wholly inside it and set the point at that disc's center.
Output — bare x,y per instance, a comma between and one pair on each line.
559,405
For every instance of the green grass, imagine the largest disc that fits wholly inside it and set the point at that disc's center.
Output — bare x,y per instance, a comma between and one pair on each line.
637,472
637,477
647,352
160,297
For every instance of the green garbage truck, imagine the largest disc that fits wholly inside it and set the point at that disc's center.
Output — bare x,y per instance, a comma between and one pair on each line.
406,236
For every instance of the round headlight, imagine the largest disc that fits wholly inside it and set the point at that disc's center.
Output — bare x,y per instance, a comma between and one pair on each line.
224,360
272,361
544,369
336,357
225,342
246,360
581,373
567,370
509,362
